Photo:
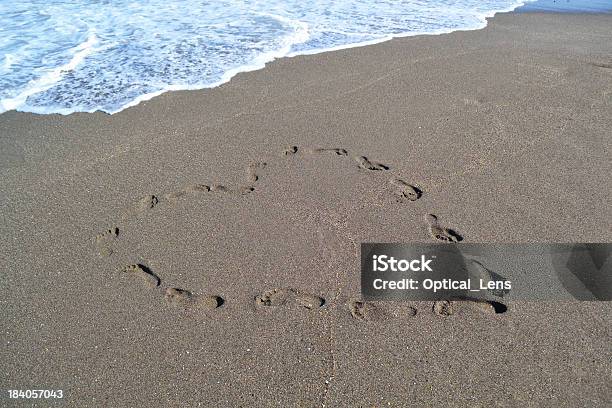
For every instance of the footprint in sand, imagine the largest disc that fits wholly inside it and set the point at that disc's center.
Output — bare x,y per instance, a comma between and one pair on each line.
446,308
380,311
143,273
198,188
486,306
337,151
289,297
105,240
245,190
405,191
190,190
254,171
185,299
147,203
360,310
366,164
443,308
441,233
290,151
219,188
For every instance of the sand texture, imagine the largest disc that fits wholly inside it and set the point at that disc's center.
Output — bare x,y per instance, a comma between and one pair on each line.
202,248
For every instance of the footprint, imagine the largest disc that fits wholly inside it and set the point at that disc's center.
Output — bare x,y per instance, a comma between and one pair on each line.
289,297
309,301
275,297
366,164
487,306
105,240
144,273
198,188
193,189
359,310
371,311
175,195
447,308
147,202
245,190
291,150
219,188
337,151
440,233
443,308
406,191
187,300
253,171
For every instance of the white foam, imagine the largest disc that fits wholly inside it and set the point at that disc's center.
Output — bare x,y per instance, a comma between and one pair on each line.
482,24
51,77
300,36
141,51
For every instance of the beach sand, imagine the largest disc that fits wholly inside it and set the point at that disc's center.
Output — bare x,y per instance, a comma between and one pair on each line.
253,199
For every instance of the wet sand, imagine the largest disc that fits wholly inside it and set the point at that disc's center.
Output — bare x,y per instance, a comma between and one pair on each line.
202,248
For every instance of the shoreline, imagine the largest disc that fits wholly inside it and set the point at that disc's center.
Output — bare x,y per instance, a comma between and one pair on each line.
202,247
228,75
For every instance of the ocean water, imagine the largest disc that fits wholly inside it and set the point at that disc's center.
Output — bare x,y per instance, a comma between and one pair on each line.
85,55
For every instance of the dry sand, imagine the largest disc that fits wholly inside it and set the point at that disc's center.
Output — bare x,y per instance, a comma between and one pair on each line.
505,130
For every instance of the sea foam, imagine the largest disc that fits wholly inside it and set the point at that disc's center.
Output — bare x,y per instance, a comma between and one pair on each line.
85,55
